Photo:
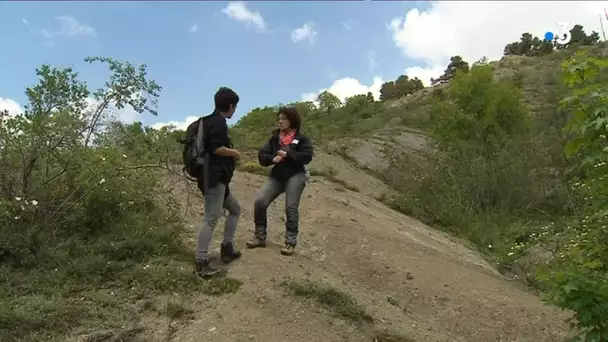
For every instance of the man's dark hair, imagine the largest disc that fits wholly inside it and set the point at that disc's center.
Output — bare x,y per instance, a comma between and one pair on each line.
291,113
224,98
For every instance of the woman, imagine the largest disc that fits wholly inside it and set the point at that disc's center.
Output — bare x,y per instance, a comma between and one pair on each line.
289,150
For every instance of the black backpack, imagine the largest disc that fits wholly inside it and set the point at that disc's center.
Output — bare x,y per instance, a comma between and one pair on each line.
194,155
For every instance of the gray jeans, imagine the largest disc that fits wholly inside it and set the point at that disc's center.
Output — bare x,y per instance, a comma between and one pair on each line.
214,202
272,189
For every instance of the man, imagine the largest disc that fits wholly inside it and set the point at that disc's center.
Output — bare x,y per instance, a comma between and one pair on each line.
215,183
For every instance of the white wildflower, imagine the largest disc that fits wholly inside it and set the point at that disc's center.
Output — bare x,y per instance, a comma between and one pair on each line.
34,202
17,217
103,180
124,156
17,199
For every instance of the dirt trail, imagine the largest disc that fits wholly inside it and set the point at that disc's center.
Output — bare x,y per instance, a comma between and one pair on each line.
410,278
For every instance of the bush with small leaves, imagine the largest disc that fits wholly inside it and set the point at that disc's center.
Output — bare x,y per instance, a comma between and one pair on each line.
578,278
78,205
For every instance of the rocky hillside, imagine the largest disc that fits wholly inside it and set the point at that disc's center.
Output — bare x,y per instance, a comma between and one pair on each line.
362,272
494,171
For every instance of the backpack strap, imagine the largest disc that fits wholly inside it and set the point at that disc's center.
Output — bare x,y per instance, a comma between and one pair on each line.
199,136
200,146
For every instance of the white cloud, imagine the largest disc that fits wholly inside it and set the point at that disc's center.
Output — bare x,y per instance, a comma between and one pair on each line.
442,31
70,27
238,11
180,125
347,87
194,28
306,32
11,106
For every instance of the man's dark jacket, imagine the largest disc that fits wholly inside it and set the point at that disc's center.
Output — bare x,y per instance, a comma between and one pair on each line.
220,168
299,153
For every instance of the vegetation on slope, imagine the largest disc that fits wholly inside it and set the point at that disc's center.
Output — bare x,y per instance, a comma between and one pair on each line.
577,278
89,233
89,237
495,172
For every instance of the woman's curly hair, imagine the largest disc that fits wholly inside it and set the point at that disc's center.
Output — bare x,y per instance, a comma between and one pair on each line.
291,113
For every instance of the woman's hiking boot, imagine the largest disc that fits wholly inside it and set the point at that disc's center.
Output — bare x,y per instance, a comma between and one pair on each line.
228,253
205,270
288,249
256,243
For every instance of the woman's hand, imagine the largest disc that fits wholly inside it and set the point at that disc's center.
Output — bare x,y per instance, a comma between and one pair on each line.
282,153
277,159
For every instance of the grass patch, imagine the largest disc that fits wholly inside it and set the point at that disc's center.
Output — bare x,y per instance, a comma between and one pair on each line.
96,283
317,172
252,167
221,286
177,309
339,303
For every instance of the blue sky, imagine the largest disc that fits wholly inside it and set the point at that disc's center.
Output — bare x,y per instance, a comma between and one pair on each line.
261,49
192,48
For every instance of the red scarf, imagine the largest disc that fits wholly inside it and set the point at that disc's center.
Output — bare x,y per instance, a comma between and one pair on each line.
287,138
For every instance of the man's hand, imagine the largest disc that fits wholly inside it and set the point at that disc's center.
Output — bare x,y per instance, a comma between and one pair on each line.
282,153
277,159
236,154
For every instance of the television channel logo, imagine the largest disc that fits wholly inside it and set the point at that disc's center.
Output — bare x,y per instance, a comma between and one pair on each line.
562,36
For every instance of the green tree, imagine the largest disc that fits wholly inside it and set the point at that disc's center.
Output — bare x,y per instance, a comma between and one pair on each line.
388,91
356,101
406,86
529,45
580,37
56,129
253,129
456,64
416,84
399,88
370,97
487,113
328,102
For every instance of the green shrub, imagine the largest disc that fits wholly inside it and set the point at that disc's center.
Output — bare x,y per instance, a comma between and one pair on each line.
83,236
577,278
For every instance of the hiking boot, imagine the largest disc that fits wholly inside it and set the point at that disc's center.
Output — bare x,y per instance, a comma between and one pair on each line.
255,243
228,253
288,249
205,270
